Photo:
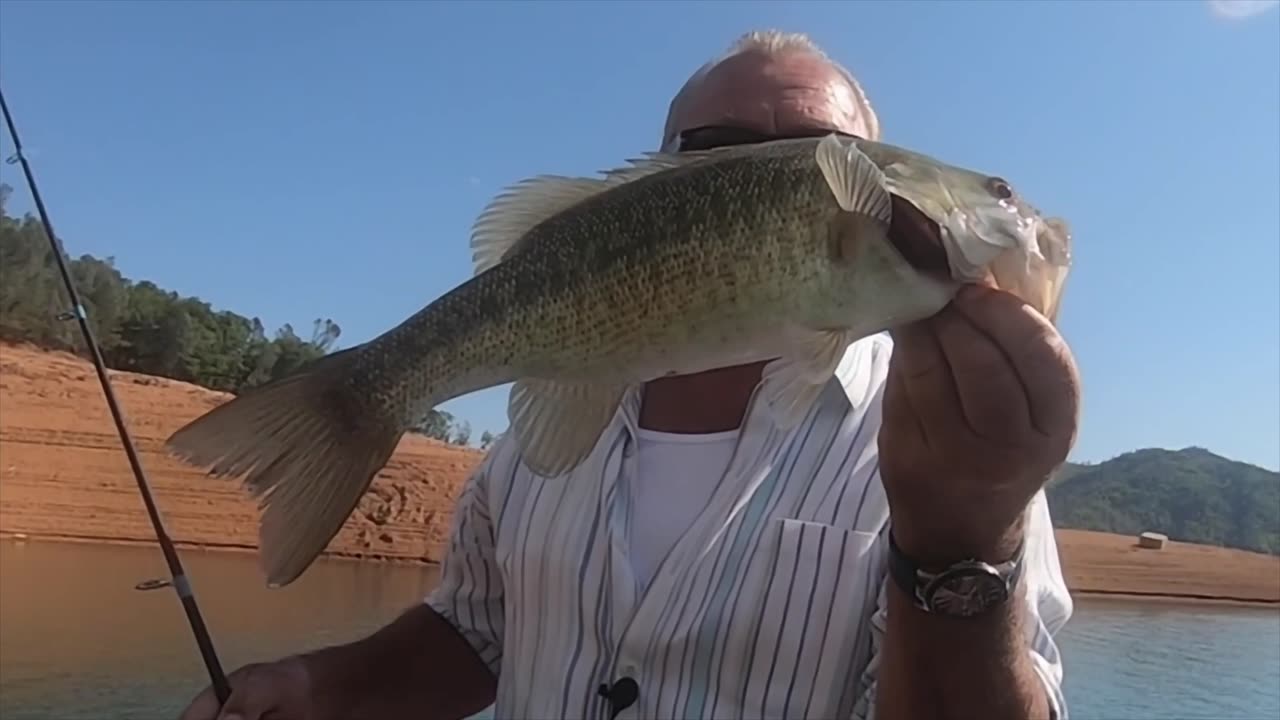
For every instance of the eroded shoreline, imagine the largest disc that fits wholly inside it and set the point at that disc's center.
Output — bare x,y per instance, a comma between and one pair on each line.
63,476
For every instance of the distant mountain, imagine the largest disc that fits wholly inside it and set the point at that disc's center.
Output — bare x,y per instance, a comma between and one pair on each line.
1191,495
1068,471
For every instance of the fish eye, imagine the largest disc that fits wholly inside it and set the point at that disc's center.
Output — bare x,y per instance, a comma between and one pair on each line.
999,188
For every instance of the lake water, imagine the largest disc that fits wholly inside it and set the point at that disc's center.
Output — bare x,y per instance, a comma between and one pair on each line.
78,642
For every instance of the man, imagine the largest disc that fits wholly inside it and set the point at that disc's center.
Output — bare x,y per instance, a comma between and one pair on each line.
702,563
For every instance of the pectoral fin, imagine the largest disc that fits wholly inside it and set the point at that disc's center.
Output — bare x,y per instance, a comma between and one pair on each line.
556,424
855,180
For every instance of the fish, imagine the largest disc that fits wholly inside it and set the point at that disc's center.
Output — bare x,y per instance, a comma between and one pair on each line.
667,264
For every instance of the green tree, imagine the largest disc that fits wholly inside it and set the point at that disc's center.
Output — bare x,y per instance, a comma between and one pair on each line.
1192,495
462,434
438,424
141,327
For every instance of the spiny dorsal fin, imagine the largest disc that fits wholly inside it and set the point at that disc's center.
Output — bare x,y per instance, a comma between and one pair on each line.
520,207
651,163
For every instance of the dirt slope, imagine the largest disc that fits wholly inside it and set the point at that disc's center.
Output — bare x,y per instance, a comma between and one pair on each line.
1101,563
63,471
63,474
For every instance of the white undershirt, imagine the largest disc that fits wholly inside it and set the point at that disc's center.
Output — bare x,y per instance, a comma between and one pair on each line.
675,477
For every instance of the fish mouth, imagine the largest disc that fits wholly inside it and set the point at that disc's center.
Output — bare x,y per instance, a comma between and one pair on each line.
918,239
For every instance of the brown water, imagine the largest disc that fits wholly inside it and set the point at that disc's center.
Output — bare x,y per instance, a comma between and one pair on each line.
77,642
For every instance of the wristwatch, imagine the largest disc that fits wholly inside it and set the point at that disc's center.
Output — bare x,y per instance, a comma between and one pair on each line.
964,589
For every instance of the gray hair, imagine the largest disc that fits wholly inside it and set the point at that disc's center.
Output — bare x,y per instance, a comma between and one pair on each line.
771,42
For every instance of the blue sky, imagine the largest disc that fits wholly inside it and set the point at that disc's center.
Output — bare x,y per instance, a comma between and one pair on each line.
295,160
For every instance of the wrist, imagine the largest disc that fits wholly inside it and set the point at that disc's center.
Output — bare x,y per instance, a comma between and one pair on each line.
332,678
952,583
938,544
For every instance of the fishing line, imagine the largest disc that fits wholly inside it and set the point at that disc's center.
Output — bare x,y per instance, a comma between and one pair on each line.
179,577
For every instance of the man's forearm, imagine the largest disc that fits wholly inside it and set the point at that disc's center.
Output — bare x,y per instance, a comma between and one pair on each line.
943,668
416,667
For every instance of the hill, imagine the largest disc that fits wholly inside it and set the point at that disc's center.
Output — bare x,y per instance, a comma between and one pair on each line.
1192,495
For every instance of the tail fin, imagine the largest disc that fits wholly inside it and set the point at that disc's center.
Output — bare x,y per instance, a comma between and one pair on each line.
310,448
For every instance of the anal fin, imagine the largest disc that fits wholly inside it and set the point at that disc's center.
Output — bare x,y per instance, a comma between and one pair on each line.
556,423
791,384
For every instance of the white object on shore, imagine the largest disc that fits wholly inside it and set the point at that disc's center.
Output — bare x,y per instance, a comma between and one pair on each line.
1152,540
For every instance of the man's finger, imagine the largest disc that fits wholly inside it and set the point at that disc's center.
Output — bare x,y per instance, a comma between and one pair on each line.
246,701
900,416
991,392
203,707
926,377
1037,352
244,704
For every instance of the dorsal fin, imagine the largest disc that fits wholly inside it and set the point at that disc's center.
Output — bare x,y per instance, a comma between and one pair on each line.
519,207
651,163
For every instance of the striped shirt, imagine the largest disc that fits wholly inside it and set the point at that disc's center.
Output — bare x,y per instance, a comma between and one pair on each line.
771,604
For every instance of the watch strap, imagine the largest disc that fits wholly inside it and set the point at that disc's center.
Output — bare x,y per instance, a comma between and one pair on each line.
917,583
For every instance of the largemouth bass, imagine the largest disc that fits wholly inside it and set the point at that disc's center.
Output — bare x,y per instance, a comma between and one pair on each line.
786,251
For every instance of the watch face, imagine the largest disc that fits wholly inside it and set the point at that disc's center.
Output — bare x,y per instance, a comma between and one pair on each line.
966,591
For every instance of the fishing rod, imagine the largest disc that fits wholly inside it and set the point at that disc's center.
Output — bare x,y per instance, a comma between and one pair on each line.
179,577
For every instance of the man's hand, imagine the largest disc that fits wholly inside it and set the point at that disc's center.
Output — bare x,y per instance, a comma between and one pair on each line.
281,689
417,666
981,406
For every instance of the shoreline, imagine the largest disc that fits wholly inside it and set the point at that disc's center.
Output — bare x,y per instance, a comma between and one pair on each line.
1129,598
63,477
182,546
1085,594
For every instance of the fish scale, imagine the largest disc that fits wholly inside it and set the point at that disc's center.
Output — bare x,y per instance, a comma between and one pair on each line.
584,287
644,272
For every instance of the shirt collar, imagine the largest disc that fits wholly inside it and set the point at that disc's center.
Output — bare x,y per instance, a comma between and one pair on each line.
862,368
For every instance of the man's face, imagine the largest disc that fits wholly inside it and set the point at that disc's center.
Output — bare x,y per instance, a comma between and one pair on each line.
791,92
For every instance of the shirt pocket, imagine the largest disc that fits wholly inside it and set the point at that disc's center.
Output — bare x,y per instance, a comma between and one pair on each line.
813,630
